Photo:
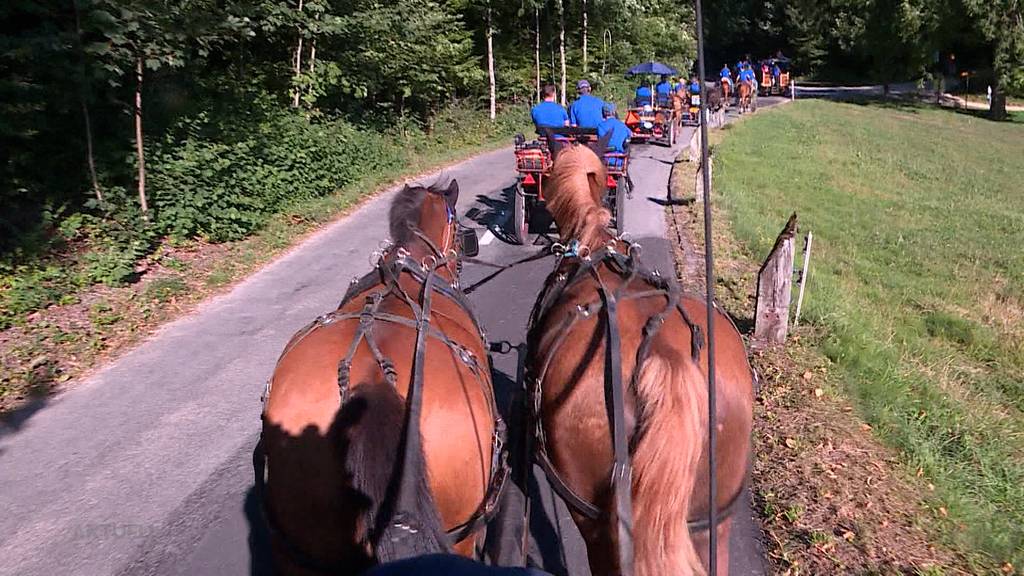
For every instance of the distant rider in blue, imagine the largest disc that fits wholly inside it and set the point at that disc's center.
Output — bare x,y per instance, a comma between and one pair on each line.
585,112
726,73
620,133
549,114
694,86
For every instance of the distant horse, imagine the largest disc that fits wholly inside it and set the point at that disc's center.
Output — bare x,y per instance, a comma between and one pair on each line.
726,91
617,372
745,90
380,430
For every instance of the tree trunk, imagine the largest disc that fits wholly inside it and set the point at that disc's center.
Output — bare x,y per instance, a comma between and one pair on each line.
584,36
997,109
490,61
83,97
89,153
561,44
298,63
138,140
536,47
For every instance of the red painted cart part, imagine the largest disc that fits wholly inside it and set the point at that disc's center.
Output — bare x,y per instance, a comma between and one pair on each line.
529,181
611,182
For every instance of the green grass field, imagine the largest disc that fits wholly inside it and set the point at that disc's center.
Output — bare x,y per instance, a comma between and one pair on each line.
917,282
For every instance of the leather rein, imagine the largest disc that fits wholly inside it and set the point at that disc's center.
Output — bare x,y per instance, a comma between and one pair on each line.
389,268
576,264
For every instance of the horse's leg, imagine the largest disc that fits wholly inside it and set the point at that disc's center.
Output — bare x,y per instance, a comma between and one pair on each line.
701,542
601,537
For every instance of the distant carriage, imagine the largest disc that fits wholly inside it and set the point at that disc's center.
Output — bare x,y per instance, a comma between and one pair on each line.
533,165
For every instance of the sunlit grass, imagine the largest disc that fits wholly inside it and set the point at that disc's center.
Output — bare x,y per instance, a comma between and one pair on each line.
918,280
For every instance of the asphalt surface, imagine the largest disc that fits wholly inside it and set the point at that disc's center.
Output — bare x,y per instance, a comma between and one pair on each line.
145,467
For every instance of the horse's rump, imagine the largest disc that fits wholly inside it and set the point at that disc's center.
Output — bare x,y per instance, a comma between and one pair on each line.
457,423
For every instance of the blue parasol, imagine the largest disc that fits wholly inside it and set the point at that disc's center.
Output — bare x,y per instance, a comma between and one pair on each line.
651,68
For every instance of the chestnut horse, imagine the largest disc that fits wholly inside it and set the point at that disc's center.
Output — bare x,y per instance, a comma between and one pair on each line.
617,371
379,427
744,90
726,86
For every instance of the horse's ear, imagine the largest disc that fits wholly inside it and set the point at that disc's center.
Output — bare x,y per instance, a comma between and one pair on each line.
452,193
555,145
601,146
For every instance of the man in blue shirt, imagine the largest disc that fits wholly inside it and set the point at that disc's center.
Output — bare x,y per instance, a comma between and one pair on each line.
643,94
620,133
726,73
549,114
663,90
694,86
585,112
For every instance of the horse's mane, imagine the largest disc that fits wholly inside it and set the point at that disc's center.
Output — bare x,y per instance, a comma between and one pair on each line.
406,208
577,181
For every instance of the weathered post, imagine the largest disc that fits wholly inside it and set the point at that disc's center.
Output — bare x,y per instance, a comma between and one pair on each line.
774,282
698,179
803,276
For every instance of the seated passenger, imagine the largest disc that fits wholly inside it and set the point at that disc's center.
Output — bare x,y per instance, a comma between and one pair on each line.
663,90
643,95
549,114
585,112
694,86
620,133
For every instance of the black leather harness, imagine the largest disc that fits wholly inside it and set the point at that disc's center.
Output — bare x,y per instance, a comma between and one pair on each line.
386,275
575,265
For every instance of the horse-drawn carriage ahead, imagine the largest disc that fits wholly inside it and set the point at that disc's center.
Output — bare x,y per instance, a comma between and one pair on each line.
533,165
654,119
774,76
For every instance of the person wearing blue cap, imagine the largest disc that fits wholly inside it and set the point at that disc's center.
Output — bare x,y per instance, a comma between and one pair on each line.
620,133
548,113
663,90
643,94
585,112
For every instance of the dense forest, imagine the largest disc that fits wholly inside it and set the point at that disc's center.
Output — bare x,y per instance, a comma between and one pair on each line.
124,122
127,122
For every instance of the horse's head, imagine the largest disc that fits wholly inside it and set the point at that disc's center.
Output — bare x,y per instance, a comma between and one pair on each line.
576,187
423,221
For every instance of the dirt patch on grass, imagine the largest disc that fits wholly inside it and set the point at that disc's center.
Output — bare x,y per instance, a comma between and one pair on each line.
831,498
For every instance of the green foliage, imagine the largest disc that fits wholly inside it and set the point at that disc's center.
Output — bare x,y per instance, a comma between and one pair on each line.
223,185
164,289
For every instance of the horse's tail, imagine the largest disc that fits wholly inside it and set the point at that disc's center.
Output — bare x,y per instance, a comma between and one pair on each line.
665,465
374,460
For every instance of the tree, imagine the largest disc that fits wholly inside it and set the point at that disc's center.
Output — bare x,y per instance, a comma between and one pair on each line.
1001,24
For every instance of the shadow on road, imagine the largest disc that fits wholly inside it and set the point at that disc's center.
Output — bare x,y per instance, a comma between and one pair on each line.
260,561
503,546
13,421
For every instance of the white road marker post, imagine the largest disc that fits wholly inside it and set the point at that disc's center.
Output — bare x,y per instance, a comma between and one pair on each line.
803,276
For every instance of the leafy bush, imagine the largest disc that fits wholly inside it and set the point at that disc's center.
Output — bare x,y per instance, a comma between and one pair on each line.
225,186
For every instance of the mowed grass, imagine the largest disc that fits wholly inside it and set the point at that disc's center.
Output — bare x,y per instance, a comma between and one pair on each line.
917,278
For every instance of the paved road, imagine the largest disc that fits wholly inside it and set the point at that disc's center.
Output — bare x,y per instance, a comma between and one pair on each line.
145,467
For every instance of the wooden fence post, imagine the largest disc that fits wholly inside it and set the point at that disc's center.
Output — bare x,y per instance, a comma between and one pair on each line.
774,282
698,179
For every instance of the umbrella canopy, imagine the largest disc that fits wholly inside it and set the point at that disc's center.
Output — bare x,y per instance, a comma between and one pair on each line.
651,68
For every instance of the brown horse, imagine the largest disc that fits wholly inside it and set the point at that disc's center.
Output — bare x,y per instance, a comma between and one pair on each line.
726,89
745,91
379,428
598,295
